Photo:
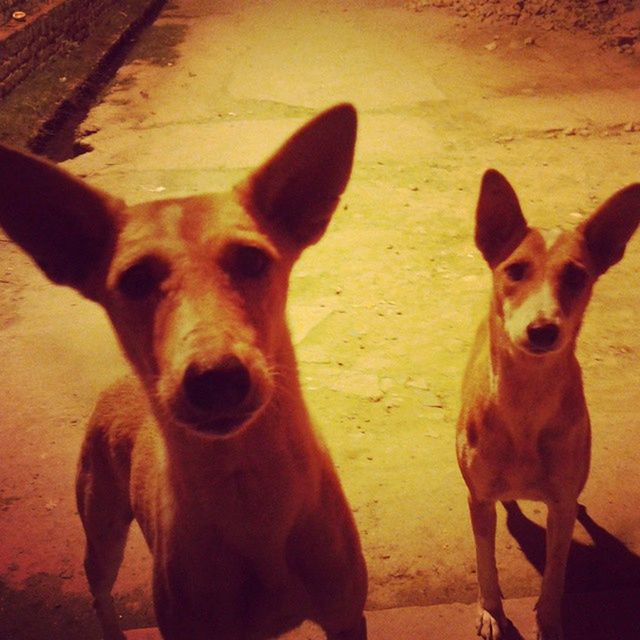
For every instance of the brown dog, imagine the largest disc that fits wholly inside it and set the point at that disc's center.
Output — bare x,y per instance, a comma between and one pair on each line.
523,431
209,447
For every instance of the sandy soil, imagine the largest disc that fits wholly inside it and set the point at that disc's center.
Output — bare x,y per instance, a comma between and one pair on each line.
615,24
383,309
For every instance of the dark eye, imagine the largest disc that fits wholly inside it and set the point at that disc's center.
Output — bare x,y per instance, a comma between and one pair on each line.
517,271
574,277
246,262
143,278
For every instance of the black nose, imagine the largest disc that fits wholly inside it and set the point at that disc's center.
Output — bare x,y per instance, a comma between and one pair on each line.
219,388
542,337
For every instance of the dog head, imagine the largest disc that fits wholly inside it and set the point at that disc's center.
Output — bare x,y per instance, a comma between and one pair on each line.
542,280
195,287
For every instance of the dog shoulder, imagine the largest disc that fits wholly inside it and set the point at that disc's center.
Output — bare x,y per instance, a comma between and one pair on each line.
123,405
476,382
120,413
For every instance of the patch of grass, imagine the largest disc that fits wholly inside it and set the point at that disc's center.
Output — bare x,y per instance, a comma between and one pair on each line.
69,82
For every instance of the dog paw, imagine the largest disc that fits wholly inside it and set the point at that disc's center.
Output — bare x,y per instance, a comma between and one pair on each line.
490,627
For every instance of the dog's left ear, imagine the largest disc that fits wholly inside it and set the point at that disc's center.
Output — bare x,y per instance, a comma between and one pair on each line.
500,224
66,226
607,231
296,191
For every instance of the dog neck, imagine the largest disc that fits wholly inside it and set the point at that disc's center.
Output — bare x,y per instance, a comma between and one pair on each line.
525,386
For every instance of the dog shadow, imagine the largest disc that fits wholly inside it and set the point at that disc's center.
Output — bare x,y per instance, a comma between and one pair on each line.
602,582
44,608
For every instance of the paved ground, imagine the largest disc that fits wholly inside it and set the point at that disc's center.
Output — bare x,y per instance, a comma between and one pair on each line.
382,310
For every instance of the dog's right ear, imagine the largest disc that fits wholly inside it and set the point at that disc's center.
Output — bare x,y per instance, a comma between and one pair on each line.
296,191
608,230
67,227
500,225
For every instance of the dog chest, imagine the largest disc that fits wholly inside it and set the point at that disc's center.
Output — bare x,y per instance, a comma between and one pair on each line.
507,462
214,591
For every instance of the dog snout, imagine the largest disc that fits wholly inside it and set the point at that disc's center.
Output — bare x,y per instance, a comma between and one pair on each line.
542,336
217,389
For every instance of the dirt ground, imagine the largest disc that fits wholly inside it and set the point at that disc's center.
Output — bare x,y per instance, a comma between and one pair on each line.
383,309
615,24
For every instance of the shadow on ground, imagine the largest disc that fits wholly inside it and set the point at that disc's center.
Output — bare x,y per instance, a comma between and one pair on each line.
42,609
603,579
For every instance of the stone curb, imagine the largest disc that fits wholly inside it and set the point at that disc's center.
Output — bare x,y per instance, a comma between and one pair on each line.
604,615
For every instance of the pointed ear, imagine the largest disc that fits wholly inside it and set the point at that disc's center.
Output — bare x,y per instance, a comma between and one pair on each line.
67,227
296,191
607,231
500,225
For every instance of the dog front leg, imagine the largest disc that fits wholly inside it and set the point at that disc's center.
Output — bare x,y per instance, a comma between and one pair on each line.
103,557
560,522
106,516
491,621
